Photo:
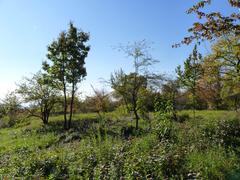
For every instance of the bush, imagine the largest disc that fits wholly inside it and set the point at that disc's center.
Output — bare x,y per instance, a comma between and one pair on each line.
164,130
225,132
228,132
214,163
174,163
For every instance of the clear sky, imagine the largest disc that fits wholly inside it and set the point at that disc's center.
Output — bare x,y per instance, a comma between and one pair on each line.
28,26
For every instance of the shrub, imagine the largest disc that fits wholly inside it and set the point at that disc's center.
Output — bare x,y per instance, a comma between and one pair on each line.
213,163
226,132
174,163
164,130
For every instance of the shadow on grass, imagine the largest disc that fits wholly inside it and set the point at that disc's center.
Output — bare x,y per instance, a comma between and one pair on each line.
80,128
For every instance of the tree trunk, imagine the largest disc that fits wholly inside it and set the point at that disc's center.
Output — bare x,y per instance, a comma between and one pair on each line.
44,118
136,118
65,106
44,114
236,103
71,106
194,101
174,107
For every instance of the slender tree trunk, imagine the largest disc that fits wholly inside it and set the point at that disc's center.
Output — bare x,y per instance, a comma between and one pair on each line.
71,106
44,118
135,95
174,107
194,106
236,103
47,114
44,114
65,106
136,118
135,109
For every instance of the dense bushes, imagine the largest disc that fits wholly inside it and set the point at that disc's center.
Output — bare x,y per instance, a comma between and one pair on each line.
225,132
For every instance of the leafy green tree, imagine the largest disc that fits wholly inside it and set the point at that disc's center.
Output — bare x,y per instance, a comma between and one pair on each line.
129,88
67,55
12,107
210,85
2,111
222,70
170,92
227,52
40,95
191,73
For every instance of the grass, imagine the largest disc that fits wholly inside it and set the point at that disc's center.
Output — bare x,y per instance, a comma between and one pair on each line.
201,148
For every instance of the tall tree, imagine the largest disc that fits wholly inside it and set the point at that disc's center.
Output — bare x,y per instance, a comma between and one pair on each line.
191,73
226,51
210,85
67,55
223,28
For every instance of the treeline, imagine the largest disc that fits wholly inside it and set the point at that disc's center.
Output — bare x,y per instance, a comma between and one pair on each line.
203,82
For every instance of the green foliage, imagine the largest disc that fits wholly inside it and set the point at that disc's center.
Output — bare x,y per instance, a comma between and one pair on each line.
191,74
67,55
225,132
40,95
213,164
191,149
130,88
212,25
163,106
164,130
164,116
11,107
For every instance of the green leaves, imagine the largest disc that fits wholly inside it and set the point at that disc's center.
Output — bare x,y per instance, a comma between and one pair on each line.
67,55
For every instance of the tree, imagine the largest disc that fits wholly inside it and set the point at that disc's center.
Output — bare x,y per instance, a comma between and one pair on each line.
40,95
212,25
192,72
222,71
216,26
2,111
129,87
67,55
209,87
227,52
101,101
170,91
12,107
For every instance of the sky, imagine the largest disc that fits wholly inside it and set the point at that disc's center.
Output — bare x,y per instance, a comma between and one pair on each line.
28,26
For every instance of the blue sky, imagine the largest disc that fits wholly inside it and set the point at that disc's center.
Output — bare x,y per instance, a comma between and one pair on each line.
28,26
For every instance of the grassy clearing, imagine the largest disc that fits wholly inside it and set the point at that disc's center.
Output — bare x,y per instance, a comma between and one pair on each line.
207,147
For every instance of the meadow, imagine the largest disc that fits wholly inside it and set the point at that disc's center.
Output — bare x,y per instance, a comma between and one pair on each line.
110,148
143,112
